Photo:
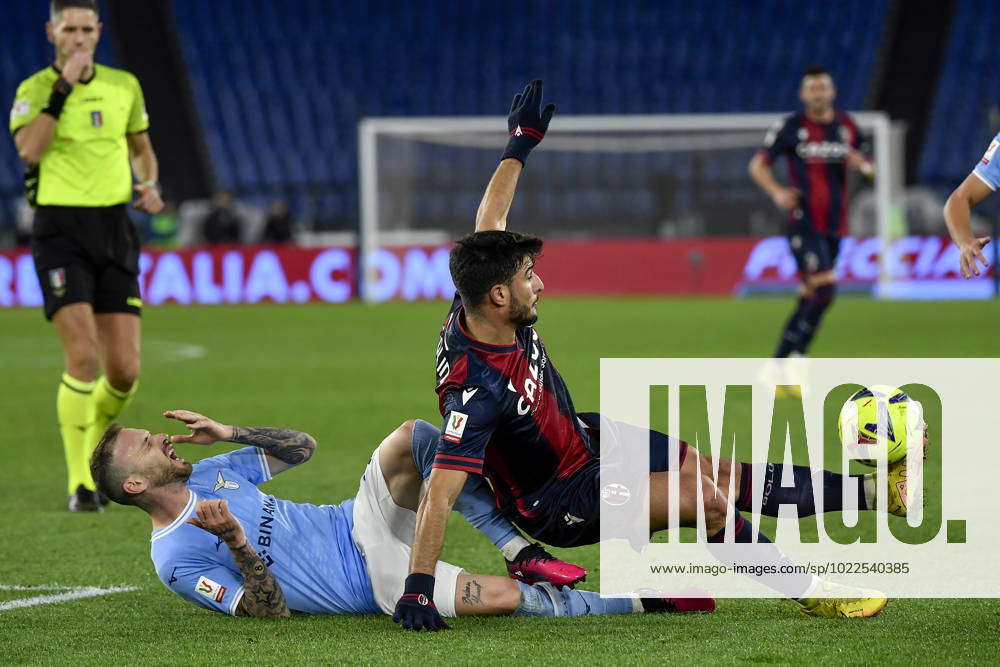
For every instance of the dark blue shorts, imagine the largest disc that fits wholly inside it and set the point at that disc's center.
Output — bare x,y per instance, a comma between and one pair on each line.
569,509
813,252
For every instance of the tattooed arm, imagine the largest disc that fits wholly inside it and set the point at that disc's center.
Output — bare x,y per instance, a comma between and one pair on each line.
262,596
284,447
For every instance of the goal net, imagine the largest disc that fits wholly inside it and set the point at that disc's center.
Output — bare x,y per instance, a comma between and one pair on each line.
672,188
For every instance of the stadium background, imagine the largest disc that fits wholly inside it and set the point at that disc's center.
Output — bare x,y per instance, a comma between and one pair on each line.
264,99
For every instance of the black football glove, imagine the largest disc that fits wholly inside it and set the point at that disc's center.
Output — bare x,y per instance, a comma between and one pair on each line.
527,121
416,610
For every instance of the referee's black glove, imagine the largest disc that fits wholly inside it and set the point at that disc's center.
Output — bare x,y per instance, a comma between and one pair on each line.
527,121
416,610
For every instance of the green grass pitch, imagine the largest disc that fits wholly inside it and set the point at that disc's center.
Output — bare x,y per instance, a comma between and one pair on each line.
349,374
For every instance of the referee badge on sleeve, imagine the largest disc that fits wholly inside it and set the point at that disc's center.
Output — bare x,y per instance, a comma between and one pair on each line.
96,119
57,281
20,108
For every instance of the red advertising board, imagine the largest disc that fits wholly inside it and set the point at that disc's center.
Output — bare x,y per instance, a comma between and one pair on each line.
923,267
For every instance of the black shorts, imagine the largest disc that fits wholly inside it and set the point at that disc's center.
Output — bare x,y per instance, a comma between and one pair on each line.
570,509
814,252
87,255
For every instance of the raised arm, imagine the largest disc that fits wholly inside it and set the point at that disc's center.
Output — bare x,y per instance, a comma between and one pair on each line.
262,596
527,123
33,139
493,209
958,214
284,447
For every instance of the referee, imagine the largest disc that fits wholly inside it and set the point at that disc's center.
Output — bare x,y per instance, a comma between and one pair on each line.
78,125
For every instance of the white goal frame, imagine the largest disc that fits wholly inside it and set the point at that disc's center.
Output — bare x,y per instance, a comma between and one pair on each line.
369,129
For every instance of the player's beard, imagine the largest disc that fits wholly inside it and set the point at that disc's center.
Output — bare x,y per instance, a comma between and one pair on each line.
520,312
172,474
820,108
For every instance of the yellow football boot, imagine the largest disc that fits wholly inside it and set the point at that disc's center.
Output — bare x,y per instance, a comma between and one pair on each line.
849,602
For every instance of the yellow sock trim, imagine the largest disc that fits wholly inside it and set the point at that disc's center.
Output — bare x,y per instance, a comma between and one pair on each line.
75,411
108,404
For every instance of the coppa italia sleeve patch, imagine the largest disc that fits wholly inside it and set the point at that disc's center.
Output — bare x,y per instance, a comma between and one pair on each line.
209,589
455,426
990,151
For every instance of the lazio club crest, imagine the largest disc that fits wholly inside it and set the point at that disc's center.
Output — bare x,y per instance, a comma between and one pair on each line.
57,280
96,119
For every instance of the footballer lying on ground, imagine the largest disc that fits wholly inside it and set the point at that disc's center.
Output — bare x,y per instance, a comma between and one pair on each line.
222,544
508,415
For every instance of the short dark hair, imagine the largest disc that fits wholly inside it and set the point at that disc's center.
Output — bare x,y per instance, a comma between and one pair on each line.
107,476
484,259
57,6
816,70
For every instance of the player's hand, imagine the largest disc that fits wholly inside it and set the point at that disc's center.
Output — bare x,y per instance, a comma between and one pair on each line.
76,65
857,160
786,198
416,610
214,516
971,251
204,431
149,199
527,122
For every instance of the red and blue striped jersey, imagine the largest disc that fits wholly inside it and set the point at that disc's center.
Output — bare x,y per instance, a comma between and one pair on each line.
817,165
508,414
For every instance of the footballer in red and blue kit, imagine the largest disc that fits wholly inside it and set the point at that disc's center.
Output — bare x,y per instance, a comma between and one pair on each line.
820,144
509,416
817,167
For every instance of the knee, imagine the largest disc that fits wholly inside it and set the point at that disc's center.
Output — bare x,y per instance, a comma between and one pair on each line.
714,506
123,373
82,361
723,475
823,282
396,448
825,292
508,597
406,429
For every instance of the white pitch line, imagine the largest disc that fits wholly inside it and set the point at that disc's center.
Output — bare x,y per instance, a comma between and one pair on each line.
76,593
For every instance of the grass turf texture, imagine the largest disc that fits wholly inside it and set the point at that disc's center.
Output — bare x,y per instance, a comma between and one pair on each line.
349,374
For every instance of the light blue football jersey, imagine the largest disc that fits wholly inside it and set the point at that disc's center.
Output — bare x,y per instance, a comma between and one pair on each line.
309,548
988,169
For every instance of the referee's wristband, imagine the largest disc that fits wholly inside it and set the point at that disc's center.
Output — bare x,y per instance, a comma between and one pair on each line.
57,99
150,184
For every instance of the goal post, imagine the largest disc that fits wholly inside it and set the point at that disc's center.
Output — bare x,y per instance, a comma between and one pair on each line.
421,177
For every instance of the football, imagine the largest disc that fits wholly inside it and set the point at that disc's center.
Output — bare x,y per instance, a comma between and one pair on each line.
869,410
